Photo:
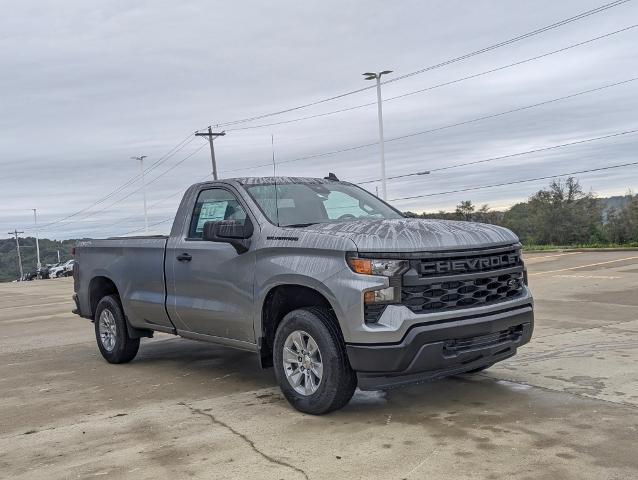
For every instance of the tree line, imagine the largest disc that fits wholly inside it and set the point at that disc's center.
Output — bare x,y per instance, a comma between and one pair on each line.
9,269
560,214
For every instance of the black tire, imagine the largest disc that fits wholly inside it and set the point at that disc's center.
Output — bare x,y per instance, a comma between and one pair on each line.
125,347
338,381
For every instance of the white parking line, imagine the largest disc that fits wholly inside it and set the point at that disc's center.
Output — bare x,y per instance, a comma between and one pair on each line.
550,256
597,277
583,266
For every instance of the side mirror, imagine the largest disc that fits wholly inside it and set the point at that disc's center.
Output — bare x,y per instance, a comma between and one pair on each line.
235,232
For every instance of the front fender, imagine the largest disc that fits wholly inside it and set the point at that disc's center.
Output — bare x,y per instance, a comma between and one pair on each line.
301,280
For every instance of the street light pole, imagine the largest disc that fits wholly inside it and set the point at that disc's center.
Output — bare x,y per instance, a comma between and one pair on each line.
377,77
37,236
141,159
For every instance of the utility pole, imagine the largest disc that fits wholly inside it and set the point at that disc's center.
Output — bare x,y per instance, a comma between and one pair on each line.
37,239
377,77
141,160
16,233
210,134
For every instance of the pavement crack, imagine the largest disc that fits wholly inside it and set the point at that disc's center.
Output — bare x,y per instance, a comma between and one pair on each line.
216,421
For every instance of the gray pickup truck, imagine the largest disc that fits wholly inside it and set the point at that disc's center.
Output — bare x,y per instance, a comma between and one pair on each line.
328,284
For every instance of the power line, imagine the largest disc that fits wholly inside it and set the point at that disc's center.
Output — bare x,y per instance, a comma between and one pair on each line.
136,190
578,172
518,38
580,16
502,157
552,147
131,217
151,225
436,129
519,109
132,180
439,85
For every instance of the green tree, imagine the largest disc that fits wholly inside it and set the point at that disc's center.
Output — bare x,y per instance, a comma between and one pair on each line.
465,210
563,215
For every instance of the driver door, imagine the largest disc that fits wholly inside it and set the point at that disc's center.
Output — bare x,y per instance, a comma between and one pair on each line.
211,285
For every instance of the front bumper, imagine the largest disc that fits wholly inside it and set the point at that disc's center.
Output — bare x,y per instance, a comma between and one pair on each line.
439,349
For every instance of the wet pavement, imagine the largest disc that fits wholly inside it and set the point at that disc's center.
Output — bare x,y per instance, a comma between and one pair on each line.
565,407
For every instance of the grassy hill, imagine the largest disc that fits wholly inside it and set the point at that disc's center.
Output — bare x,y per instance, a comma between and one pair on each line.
48,254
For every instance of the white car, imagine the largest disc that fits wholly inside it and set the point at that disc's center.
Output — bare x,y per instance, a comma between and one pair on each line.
62,270
68,269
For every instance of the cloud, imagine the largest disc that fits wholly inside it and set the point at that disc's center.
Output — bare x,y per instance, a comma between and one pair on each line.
86,85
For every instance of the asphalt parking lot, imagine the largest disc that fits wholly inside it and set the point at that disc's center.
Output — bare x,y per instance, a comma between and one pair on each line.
565,407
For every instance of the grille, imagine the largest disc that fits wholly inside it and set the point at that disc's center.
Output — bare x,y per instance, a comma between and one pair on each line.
458,263
450,295
452,280
454,347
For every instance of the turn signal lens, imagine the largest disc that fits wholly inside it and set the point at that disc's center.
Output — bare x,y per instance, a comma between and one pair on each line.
360,265
383,268
368,297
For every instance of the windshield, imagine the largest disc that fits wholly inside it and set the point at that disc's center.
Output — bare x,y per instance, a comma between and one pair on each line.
301,204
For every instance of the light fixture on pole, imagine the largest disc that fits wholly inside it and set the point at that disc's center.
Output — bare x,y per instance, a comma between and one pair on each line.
141,160
377,77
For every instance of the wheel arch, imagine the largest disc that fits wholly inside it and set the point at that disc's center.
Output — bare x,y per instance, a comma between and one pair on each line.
280,300
101,286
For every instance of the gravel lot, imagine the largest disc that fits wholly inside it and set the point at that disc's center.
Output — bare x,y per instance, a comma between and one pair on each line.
565,407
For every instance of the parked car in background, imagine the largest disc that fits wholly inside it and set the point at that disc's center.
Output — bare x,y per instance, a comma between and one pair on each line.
68,269
32,275
62,269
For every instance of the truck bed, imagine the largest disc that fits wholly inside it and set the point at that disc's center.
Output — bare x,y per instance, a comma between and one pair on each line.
136,264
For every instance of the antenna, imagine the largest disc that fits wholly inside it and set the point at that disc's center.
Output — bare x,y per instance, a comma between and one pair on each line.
274,176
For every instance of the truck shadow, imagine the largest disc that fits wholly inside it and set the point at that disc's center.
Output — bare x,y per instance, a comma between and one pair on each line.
202,363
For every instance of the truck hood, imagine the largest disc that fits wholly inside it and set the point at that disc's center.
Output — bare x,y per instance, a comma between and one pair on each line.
413,235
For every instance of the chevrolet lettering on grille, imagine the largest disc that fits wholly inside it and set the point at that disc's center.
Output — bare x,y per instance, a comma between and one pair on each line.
464,265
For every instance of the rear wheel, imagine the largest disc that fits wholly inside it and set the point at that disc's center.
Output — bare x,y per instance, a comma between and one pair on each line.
111,333
311,363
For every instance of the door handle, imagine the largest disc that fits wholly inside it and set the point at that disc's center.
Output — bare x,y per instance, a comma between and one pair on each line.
184,257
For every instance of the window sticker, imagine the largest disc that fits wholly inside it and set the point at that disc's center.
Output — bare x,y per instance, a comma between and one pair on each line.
211,212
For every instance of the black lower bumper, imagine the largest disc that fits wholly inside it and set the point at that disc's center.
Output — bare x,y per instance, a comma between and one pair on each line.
439,349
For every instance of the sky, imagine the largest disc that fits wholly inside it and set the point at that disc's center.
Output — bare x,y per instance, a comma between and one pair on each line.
84,86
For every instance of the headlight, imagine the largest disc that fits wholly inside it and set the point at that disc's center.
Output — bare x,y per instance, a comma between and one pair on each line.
385,268
393,269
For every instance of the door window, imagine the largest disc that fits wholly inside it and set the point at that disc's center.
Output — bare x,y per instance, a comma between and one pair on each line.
213,205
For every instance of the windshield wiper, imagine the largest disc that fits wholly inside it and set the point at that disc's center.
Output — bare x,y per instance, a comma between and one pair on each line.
299,225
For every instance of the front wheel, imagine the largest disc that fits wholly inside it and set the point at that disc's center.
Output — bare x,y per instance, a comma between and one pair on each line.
311,363
111,334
